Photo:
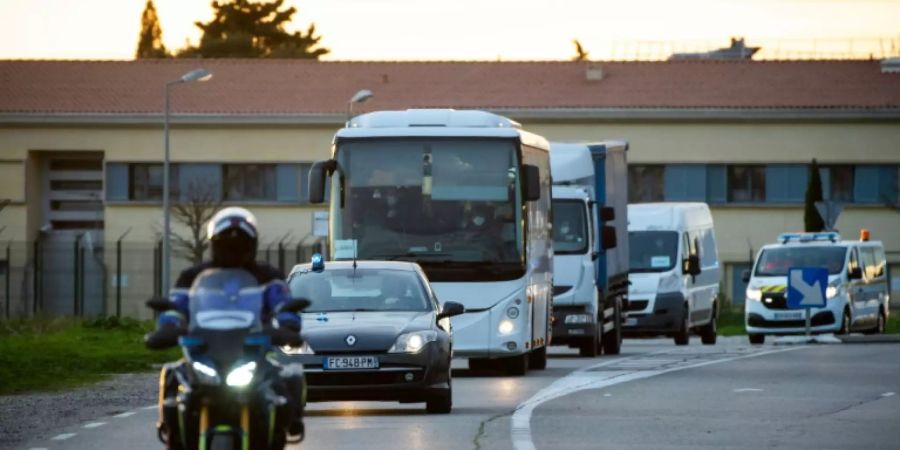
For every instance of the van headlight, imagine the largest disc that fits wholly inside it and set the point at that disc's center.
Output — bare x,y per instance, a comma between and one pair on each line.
754,295
413,342
832,292
241,375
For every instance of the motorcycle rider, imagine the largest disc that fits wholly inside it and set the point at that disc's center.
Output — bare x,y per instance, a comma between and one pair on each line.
232,234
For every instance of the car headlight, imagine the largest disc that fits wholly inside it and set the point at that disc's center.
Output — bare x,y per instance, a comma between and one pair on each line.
304,349
512,312
578,319
413,342
754,294
241,375
506,327
205,374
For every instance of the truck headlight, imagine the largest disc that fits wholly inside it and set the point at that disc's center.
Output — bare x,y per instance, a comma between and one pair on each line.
754,295
205,374
578,319
241,375
506,327
413,342
304,349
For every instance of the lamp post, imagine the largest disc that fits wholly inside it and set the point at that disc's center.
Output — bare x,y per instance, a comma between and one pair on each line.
194,75
359,97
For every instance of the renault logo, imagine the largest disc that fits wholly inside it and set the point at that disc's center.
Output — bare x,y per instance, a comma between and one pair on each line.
350,340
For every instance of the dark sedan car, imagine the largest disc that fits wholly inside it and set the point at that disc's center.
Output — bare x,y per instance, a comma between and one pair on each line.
374,331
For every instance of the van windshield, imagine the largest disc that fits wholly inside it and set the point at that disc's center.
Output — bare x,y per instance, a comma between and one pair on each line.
775,262
652,251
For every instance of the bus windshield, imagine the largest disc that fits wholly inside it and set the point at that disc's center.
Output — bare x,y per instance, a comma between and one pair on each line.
570,232
448,204
652,251
775,262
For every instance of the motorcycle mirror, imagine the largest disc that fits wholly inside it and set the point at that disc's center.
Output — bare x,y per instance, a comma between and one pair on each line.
163,338
160,304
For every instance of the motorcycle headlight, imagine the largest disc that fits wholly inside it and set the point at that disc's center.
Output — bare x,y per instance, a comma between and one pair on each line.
754,294
413,342
304,349
205,374
241,375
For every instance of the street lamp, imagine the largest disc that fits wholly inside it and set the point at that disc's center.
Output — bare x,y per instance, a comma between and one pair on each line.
194,75
359,97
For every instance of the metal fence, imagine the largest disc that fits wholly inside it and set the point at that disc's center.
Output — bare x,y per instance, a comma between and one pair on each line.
78,278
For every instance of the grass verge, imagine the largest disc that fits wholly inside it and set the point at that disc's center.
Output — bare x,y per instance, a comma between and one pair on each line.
731,321
52,354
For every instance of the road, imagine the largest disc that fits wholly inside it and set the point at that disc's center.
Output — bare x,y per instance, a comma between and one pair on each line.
654,395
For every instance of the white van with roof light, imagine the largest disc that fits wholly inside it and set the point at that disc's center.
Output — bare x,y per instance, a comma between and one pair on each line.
674,272
857,293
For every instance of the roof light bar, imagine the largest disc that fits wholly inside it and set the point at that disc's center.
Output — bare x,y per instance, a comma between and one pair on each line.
809,237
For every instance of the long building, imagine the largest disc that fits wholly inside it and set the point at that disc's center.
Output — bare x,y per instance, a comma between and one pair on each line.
81,144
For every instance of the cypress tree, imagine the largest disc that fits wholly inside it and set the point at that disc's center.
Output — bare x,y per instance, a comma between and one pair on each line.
812,221
150,43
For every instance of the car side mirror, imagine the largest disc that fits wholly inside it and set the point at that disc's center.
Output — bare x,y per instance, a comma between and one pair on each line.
317,174
294,306
745,276
607,213
160,304
608,237
854,274
450,309
532,183
691,265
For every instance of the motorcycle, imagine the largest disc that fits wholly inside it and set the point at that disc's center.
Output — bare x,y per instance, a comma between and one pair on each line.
229,394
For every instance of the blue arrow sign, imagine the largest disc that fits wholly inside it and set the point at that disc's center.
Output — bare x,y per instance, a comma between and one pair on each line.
806,287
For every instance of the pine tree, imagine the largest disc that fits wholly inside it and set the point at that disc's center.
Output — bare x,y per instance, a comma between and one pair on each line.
150,43
812,221
245,29
580,53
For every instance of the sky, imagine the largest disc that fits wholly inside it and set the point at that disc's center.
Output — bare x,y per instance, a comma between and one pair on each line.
478,29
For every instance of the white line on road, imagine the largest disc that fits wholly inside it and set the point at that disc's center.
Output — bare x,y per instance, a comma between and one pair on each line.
94,425
748,390
62,437
150,407
37,448
520,425
887,394
125,414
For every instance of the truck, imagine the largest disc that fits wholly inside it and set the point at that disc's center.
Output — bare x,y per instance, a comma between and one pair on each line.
466,195
590,241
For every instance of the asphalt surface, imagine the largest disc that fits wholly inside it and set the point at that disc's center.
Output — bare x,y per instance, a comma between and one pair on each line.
654,395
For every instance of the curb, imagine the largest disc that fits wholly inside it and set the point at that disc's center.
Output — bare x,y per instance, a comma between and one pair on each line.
871,339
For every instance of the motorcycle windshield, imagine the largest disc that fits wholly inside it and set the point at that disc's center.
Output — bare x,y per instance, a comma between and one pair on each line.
226,299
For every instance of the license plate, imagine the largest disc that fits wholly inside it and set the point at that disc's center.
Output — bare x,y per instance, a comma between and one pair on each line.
629,322
350,362
789,316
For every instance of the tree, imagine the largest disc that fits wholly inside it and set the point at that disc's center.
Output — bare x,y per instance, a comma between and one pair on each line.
150,43
244,29
580,53
199,204
812,221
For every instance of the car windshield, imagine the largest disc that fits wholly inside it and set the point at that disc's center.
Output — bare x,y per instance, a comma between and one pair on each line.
569,227
336,290
652,251
774,262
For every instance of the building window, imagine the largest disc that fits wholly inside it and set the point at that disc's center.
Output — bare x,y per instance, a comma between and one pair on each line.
249,182
645,183
746,183
841,183
145,181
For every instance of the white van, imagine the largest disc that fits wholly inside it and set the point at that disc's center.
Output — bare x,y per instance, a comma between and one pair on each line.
857,294
674,271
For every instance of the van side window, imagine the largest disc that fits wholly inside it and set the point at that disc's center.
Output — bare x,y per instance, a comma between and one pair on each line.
854,261
708,256
688,246
880,262
869,264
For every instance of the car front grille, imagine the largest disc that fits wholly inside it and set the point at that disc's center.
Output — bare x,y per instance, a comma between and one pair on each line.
340,378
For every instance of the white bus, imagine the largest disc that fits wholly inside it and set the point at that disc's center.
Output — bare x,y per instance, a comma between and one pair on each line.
466,194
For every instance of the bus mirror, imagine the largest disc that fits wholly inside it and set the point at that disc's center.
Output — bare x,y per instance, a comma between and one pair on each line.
607,213
317,174
532,181
608,235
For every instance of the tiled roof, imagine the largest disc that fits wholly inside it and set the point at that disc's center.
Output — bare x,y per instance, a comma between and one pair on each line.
246,86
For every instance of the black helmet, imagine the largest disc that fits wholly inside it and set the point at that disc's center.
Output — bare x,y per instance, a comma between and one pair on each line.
233,237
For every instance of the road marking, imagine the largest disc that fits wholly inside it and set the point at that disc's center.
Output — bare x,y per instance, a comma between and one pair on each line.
748,390
94,425
887,394
150,407
125,414
607,395
581,379
37,448
62,437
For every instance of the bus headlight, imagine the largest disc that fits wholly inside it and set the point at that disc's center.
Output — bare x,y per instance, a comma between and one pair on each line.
506,327
241,375
512,312
754,294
